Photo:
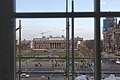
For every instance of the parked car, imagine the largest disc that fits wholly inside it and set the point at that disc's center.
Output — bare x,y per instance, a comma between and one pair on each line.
117,62
25,75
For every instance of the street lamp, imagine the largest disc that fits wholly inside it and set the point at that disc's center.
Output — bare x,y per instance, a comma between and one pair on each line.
67,43
19,28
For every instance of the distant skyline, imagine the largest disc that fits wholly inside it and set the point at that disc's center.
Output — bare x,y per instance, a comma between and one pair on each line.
84,27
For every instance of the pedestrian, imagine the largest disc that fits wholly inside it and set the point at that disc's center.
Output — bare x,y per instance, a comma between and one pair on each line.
62,64
48,78
40,64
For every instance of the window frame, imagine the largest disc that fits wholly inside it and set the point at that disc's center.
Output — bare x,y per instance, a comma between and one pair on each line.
97,14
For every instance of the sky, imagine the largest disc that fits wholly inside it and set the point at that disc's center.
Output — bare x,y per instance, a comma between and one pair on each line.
84,27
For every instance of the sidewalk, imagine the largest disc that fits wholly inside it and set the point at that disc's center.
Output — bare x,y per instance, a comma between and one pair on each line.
109,55
29,63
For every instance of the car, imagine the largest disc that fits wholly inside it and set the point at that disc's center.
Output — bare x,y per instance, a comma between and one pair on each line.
113,60
117,62
70,74
25,75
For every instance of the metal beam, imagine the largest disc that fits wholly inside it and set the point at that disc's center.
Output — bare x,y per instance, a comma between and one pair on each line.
67,43
7,40
19,49
60,58
73,70
80,72
97,41
64,14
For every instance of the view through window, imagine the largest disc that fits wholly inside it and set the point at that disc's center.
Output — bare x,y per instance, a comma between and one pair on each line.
44,49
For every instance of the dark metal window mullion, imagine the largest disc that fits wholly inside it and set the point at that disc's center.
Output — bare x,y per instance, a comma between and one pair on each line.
67,43
97,40
64,14
20,71
73,70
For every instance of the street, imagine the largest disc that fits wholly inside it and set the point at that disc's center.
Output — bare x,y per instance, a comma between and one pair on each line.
37,70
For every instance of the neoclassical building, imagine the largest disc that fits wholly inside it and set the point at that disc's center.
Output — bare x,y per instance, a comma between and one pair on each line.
111,42
53,43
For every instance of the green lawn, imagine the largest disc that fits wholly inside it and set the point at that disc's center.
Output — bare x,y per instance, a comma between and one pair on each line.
22,60
35,54
55,53
41,53
40,60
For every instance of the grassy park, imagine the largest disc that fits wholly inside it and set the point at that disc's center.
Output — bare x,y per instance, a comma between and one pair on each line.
49,53
45,53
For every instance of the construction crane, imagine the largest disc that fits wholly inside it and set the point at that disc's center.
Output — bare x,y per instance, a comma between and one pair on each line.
44,33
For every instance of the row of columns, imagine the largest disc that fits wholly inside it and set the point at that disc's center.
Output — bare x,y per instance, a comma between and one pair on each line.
53,46
57,46
50,46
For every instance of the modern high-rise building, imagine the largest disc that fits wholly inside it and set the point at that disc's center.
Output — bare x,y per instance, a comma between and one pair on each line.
109,22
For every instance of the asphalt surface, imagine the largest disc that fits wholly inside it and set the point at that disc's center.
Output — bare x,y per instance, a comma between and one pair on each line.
107,66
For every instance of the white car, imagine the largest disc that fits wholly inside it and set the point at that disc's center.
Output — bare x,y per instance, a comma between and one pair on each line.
118,61
25,75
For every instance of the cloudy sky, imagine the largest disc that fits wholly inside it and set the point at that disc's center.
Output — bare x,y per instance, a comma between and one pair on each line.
84,27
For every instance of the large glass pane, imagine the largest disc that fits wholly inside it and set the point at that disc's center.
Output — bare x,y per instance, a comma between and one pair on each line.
84,5
110,5
84,27
84,60
43,48
110,47
53,6
37,28
40,5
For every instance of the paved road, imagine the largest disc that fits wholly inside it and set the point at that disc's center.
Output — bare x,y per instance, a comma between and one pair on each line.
109,65
106,64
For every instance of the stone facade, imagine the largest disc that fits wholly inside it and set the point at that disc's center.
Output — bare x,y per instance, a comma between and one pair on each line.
52,43
111,42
